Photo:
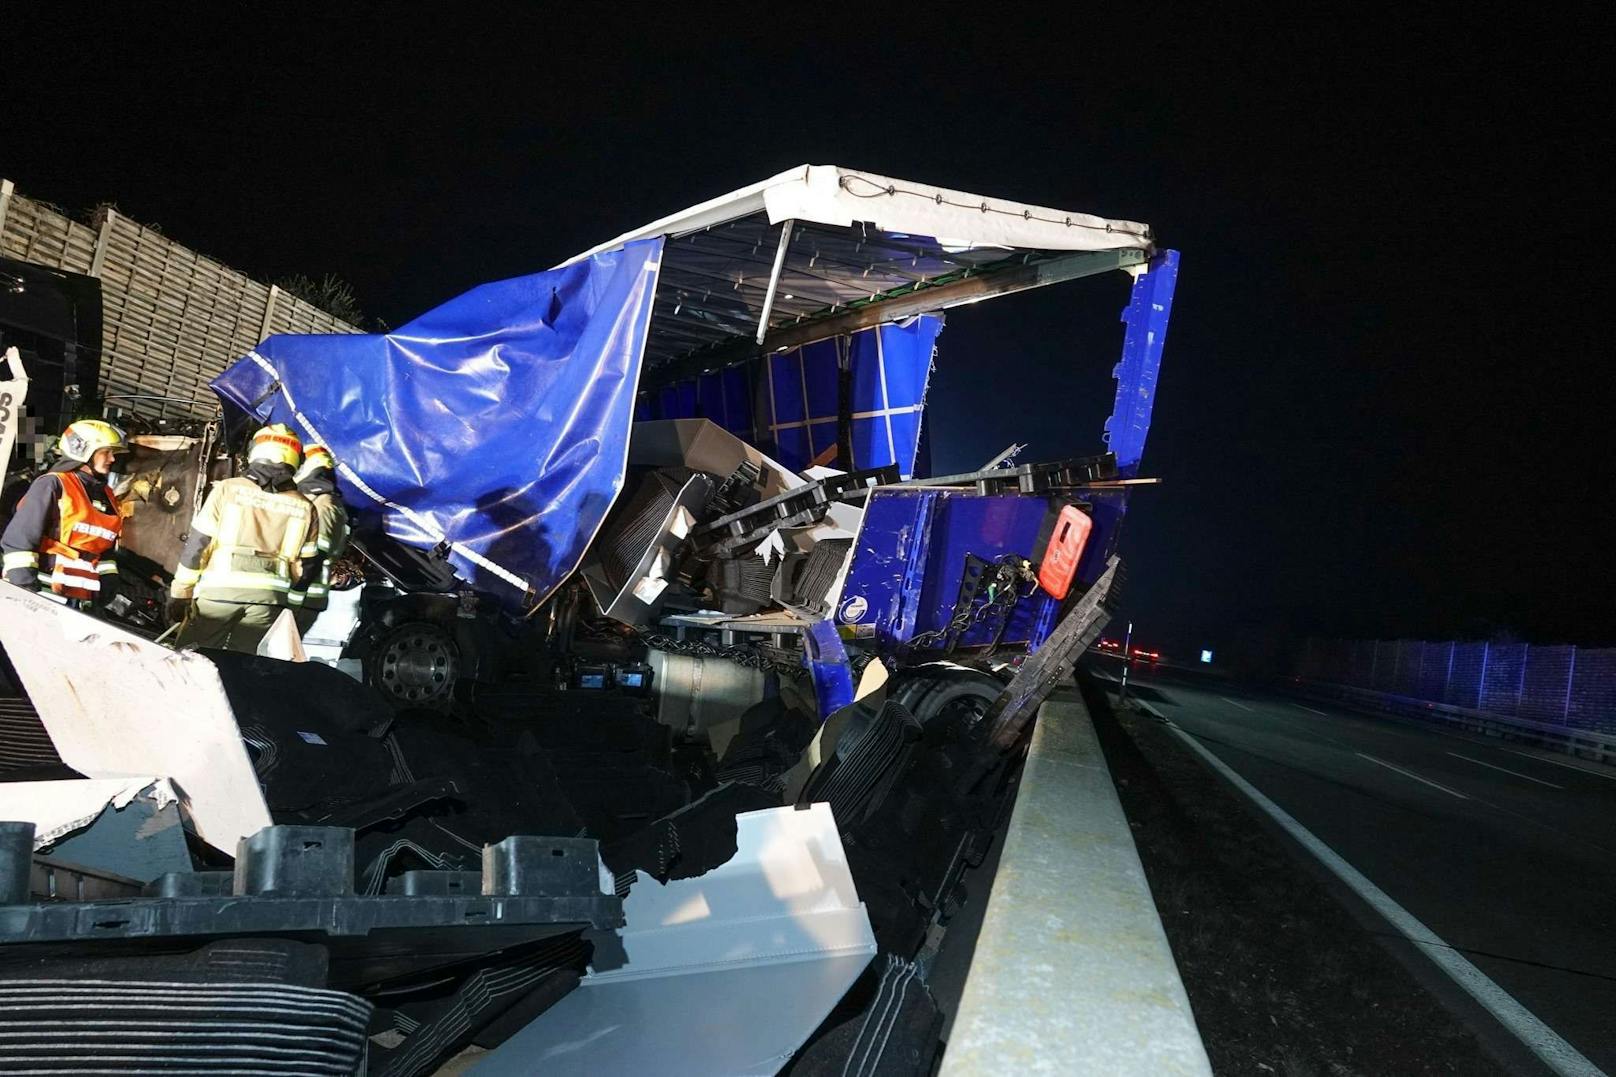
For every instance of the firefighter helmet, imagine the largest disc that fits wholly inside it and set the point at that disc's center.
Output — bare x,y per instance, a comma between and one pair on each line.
82,439
276,444
315,458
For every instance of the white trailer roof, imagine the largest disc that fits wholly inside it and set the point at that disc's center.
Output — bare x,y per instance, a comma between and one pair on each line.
843,197
860,250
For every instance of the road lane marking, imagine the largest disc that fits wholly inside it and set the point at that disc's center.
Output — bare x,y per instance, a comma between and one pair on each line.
1411,774
1506,770
1420,725
1310,710
1538,1037
1237,703
1556,762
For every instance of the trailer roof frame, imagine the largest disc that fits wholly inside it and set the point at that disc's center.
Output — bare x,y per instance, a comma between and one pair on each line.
819,251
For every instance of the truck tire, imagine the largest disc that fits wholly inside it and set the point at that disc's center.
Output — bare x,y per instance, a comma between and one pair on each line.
937,689
415,665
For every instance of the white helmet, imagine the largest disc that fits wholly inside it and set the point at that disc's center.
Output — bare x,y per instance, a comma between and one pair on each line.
82,439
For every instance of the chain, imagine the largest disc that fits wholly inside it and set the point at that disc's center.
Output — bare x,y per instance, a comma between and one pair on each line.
785,667
1002,597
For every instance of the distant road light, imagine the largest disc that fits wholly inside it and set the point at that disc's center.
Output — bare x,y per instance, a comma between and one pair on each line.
1206,656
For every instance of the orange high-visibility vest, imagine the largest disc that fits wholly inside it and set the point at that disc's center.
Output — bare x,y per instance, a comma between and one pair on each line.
85,534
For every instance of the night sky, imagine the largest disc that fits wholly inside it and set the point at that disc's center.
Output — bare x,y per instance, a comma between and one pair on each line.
1385,404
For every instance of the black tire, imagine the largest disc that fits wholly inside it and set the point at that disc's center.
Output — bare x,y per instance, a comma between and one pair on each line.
933,690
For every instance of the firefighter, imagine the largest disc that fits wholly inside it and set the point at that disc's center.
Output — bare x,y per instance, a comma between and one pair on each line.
242,558
65,531
317,481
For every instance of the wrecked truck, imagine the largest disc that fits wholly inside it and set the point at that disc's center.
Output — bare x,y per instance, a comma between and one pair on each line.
688,376
656,607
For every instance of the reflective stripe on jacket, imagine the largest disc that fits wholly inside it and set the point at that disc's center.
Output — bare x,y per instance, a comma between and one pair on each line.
326,543
257,538
317,595
72,565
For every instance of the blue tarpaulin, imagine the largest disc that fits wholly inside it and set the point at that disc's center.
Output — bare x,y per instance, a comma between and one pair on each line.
723,397
890,366
798,410
1150,305
496,425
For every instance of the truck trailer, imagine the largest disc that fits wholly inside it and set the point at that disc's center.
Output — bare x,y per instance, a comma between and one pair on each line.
655,611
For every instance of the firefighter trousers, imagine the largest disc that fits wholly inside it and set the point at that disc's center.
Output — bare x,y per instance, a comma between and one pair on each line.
231,626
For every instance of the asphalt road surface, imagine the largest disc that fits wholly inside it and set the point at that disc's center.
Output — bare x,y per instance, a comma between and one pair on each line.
1505,851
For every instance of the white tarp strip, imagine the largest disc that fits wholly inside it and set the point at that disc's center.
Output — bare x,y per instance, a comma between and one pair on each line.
878,413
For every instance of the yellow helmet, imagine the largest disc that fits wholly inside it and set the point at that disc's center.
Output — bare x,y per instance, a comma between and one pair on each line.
82,439
315,458
276,444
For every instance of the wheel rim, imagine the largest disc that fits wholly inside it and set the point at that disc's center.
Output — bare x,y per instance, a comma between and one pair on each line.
418,666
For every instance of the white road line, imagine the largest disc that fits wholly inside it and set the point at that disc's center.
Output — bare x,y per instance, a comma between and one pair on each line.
1542,759
1506,770
1239,704
1310,710
1411,774
1422,726
1538,1037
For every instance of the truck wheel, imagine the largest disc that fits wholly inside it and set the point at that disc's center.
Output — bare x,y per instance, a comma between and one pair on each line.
415,665
937,691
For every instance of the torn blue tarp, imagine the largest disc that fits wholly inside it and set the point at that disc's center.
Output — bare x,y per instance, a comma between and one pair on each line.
1150,305
723,397
495,425
890,366
797,414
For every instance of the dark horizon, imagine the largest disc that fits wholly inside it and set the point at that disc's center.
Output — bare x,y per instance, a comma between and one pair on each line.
1382,404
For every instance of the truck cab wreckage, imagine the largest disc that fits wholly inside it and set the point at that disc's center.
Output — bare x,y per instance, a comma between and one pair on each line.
665,710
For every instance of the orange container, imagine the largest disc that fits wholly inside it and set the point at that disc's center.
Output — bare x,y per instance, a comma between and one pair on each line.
1065,549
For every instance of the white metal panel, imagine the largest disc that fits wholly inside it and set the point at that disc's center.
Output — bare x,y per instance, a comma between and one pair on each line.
728,973
119,706
13,392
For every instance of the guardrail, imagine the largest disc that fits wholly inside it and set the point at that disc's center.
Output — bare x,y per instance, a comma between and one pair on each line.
1584,744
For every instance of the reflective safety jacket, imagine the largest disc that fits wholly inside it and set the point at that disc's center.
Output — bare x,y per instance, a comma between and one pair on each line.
326,543
255,539
63,535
